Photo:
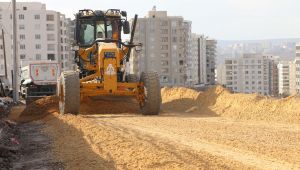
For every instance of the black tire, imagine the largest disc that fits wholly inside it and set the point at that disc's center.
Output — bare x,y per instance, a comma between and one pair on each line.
69,92
152,102
132,78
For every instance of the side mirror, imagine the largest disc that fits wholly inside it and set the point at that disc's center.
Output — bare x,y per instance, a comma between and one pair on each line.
126,27
124,13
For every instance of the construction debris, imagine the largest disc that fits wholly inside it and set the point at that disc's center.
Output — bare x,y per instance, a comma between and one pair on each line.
9,143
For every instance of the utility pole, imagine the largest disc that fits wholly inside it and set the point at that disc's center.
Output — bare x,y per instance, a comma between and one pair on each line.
4,53
15,60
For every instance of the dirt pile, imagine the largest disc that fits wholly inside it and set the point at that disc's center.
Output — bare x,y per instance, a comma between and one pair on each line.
219,101
38,109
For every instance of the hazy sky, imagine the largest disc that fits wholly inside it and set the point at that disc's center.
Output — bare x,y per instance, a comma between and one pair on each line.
220,19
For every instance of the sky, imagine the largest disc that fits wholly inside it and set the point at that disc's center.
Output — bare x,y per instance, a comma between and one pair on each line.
219,19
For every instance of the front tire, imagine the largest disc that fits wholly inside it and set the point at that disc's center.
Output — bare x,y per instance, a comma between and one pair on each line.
69,92
151,105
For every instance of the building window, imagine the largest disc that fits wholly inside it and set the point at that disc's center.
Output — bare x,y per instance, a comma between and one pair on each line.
22,56
181,62
0,16
164,55
164,63
50,37
22,46
164,39
37,17
37,36
21,16
174,39
21,27
38,56
50,17
51,47
51,56
22,36
1,46
37,46
24,8
50,27
164,47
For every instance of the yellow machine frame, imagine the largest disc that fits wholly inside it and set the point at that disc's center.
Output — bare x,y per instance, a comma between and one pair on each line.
90,86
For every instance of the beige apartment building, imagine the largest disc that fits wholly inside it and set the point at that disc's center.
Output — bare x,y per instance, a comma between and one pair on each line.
164,47
41,35
252,74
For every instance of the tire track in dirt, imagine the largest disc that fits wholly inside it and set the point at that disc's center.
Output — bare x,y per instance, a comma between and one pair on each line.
157,132
82,142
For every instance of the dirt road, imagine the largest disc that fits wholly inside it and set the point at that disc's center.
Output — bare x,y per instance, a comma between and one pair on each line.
171,141
112,134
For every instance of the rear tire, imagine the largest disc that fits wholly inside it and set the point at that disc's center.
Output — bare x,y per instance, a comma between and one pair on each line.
69,92
151,105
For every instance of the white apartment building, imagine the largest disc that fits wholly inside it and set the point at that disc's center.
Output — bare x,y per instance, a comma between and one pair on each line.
164,47
221,74
297,76
251,74
41,35
287,78
297,68
211,46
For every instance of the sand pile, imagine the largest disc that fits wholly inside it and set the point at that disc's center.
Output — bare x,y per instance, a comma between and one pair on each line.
39,109
219,101
179,99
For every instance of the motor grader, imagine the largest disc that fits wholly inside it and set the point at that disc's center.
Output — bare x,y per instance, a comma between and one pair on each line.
103,63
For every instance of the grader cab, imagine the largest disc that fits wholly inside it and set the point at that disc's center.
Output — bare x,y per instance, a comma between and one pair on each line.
103,60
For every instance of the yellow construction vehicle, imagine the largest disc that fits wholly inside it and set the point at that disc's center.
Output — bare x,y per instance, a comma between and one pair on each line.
102,60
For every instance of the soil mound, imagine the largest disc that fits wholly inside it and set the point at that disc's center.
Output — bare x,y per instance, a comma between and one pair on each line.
39,109
219,101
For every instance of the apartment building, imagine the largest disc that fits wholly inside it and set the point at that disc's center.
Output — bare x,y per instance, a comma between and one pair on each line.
164,47
297,68
197,63
297,76
287,78
41,35
251,74
221,74
187,53
211,46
